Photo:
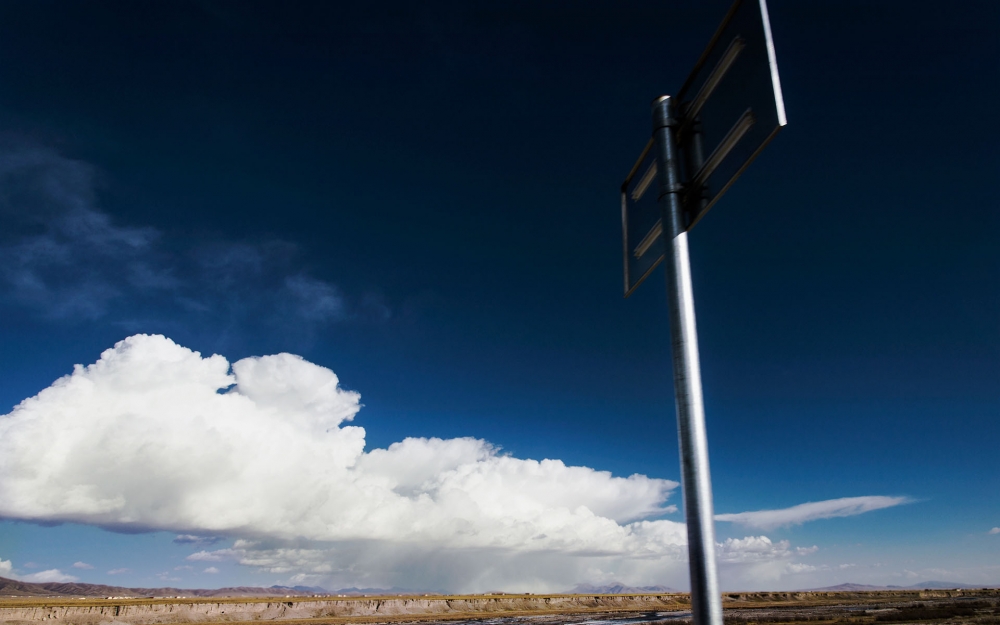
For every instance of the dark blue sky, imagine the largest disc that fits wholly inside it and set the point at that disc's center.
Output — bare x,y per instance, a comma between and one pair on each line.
423,198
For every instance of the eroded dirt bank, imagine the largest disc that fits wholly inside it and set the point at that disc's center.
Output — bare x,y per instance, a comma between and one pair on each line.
140,612
396,609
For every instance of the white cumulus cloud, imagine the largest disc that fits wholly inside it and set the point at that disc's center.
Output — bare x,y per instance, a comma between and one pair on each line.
757,562
213,556
751,549
51,575
995,530
154,436
6,567
847,506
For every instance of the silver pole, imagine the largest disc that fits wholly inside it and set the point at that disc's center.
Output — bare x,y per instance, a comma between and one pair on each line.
706,602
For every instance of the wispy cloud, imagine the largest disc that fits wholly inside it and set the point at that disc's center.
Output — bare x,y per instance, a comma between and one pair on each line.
211,570
119,571
71,260
64,256
812,511
995,530
315,300
82,565
191,539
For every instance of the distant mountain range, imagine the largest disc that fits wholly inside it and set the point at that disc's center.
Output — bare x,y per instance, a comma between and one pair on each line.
615,588
921,586
13,587
9,587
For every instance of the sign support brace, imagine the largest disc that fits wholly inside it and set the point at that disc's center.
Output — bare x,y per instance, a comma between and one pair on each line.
706,602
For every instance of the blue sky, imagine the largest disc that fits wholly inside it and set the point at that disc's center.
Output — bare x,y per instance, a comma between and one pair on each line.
423,200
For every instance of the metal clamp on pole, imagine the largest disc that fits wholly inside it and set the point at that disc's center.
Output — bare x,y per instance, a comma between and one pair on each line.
706,602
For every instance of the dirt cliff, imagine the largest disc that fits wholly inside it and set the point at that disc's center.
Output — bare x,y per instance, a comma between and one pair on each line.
154,611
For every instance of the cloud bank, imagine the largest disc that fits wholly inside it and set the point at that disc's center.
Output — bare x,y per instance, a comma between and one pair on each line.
153,436
812,511
156,437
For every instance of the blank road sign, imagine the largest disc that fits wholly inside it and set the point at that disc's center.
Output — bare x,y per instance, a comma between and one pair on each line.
730,106
641,238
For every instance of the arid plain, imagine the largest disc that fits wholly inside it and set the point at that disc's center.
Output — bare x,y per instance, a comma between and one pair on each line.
965,606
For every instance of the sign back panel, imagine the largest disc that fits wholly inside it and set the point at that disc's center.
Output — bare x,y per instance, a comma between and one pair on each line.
728,110
641,239
730,106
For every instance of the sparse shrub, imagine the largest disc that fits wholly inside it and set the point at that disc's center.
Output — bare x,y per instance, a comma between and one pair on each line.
924,613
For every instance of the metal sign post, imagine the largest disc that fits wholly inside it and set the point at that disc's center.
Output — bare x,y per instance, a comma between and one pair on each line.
706,604
729,108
